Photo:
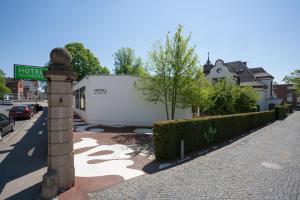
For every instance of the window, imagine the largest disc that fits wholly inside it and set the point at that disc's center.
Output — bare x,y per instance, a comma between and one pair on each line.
77,99
214,80
3,117
289,97
82,98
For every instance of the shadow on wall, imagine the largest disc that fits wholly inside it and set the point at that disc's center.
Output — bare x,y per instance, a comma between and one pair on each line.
27,156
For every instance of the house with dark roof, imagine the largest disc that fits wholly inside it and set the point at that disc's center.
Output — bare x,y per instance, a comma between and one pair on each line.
239,73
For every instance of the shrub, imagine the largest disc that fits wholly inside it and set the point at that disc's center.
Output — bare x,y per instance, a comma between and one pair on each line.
290,108
254,109
281,112
257,108
201,132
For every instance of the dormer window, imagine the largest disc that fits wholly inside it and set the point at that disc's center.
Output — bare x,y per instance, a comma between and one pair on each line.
219,70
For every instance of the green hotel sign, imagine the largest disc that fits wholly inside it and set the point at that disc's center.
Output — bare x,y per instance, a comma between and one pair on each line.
28,72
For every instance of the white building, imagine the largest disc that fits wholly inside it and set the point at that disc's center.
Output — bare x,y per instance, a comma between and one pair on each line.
113,100
239,73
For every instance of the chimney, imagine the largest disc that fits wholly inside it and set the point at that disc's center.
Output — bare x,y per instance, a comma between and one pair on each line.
245,63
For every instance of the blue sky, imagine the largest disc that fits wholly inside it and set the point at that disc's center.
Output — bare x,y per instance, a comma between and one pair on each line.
265,33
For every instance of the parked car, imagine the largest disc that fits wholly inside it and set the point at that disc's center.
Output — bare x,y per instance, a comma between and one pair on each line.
6,125
20,112
8,102
38,107
32,107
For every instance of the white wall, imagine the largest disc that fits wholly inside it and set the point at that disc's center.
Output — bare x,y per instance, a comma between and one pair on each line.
267,82
224,72
122,105
262,99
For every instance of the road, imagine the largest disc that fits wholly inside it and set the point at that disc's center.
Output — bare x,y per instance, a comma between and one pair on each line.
4,109
262,165
23,158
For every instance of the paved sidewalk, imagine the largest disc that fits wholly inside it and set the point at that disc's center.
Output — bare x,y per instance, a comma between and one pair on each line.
105,156
262,165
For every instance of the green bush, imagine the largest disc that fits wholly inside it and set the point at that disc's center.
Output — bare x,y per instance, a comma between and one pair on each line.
254,109
201,132
257,108
290,108
281,112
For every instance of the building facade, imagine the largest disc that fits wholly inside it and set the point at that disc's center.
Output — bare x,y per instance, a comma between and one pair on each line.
16,87
287,93
30,89
114,100
237,72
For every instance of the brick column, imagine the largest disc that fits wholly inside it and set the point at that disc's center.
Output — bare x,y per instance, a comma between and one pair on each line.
61,174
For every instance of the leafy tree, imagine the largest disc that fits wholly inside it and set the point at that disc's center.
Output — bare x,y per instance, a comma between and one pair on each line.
294,77
84,62
297,84
3,88
291,77
127,63
246,99
173,66
199,92
2,74
227,98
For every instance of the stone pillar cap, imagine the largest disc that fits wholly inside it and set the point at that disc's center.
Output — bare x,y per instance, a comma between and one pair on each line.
60,56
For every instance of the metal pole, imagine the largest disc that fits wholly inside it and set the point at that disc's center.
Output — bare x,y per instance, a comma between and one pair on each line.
182,149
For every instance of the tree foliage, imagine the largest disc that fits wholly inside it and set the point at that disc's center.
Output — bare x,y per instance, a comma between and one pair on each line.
127,63
227,98
3,88
291,76
173,66
294,78
84,62
176,80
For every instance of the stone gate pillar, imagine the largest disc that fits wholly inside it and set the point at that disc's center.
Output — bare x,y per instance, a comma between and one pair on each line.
61,174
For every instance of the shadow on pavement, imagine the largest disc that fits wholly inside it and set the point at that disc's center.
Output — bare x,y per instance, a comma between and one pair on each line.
296,108
32,193
27,156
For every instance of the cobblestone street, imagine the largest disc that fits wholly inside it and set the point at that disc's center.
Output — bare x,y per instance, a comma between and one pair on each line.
262,165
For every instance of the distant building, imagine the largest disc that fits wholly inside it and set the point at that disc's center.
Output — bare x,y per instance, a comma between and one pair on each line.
30,89
238,73
16,87
287,93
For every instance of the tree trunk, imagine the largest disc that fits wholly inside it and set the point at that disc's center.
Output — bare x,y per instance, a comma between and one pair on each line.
167,111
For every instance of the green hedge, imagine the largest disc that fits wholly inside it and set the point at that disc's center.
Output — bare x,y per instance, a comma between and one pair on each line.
290,107
281,112
254,109
201,132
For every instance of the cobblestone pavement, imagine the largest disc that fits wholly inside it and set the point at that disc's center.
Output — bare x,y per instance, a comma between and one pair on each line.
262,165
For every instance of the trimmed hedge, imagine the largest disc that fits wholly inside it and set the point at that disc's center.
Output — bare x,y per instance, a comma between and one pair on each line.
253,109
290,107
201,132
281,112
